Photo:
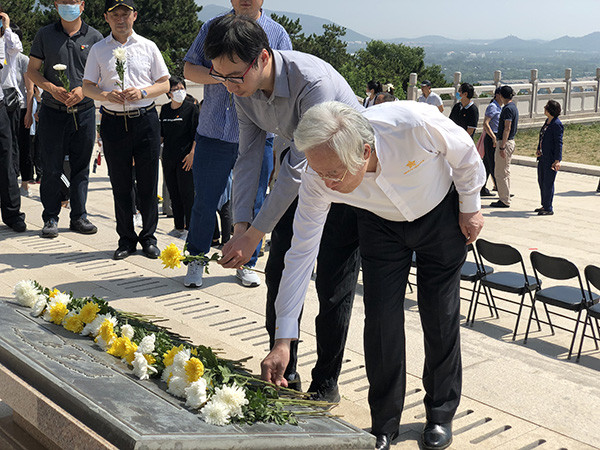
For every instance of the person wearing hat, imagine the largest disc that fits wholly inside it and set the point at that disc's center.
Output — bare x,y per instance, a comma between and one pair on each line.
67,117
429,97
130,128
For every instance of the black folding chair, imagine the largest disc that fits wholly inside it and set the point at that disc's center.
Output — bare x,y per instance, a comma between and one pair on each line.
592,278
512,282
566,297
474,271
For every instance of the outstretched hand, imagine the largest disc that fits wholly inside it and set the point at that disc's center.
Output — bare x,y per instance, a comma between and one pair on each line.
273,366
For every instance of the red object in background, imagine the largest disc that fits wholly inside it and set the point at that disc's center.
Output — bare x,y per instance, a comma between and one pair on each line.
99,160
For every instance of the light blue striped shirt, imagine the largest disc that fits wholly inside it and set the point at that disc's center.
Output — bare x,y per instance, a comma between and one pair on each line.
218,118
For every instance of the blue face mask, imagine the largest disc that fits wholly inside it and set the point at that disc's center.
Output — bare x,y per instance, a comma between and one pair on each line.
457,95
69,13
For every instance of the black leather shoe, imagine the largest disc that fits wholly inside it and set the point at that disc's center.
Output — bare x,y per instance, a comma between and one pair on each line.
485,192
83,226
151,251
544,212
499,204
437,436
538,210
384,441
123,252
326,394
19,226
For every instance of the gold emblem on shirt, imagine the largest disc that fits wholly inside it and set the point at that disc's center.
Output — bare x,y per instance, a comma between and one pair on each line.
412,165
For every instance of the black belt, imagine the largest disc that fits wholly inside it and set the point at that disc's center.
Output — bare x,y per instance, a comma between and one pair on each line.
69,109
132,113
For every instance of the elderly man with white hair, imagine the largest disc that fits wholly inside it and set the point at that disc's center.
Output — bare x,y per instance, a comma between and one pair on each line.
414,177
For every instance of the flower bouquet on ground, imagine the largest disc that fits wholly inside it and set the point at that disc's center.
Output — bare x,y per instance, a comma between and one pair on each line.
220,389
61,68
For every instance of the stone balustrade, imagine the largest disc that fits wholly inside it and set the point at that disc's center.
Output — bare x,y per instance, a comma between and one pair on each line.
580,100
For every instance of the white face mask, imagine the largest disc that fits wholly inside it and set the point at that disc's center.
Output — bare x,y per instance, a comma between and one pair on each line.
179,95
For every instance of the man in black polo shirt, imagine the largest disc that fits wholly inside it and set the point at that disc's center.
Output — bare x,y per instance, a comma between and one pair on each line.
465,113
67,123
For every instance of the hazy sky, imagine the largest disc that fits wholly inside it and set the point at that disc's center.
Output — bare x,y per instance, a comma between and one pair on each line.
383,19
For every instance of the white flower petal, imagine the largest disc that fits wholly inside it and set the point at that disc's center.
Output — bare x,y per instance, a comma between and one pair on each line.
196,394
59,67
26,293
215,413
147,344
127,331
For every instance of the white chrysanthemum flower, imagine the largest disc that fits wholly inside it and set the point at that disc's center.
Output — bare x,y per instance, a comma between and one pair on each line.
26,293
39,306
177,386
59,67
102,343
120,54
232,396
61,297
127,331
195,394
216,413
93,328
141,368
146,346
181,358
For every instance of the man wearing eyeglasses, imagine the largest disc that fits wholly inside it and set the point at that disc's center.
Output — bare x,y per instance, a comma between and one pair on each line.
273,89
217,138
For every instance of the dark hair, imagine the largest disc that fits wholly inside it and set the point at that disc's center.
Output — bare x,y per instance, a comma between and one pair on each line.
468,88
553,108
384,97
16,29
507,92
374,86
175,80
236,36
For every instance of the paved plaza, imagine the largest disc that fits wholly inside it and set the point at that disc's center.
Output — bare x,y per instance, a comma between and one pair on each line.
515,396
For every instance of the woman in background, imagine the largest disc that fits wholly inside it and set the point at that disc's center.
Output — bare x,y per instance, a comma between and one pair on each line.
373,88
549,155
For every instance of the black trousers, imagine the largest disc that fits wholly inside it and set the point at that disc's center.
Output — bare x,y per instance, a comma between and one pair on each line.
142,143
25,153
386,249
180,184
546,177
338,264
488,157
58,137
10,197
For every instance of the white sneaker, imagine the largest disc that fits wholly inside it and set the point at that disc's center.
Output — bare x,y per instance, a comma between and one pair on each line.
248,277
193,277
137,220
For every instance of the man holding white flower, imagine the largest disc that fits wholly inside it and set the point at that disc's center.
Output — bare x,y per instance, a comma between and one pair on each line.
125,72
67,123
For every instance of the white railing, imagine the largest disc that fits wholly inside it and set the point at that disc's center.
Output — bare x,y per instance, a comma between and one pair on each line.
579,100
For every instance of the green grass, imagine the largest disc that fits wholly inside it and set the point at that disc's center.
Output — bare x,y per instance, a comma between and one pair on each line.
581,143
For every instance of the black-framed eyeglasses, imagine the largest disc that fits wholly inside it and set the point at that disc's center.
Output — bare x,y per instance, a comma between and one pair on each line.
234,80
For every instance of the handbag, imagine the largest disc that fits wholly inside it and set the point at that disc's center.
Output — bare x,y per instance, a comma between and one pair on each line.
11,99
480,146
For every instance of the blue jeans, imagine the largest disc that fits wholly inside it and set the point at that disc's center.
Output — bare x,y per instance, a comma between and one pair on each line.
265,174
213,161
58,137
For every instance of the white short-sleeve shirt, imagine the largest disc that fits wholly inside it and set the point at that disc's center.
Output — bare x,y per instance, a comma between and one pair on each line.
431,99
145,65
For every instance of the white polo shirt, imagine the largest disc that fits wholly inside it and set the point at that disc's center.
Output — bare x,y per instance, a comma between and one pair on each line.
431,99
420,154
145,65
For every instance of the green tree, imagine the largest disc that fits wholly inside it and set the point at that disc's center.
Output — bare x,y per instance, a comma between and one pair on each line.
171,24
328,46
28,15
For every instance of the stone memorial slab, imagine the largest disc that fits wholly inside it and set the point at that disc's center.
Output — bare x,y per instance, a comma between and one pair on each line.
101,392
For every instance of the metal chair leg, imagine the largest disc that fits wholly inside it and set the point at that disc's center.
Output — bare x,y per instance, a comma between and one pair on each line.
475,307
472,298
574,335
587,317
549,321
529,321
596,339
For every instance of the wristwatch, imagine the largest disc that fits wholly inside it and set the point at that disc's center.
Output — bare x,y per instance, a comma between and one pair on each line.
144,93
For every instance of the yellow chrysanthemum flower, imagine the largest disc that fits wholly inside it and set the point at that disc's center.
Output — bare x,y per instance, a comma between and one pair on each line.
168,357
88,312
194,352
106,330
171,257
58,313
119,347
194,369
53,293
151,359
129,354
73,324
